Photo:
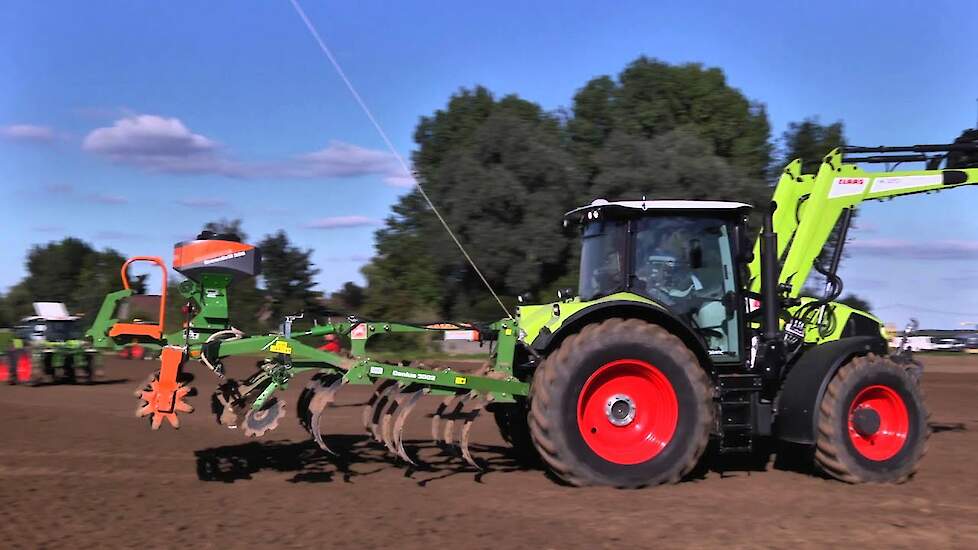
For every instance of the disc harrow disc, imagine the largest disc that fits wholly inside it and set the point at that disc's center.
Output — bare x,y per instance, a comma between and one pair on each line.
257,423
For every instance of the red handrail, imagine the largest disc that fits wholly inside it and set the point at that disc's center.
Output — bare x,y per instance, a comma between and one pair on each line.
158,261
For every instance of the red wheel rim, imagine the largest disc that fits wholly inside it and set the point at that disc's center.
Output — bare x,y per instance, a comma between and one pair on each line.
634,387
894,423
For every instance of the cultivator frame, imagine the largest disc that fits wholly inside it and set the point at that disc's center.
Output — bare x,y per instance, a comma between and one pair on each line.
253,404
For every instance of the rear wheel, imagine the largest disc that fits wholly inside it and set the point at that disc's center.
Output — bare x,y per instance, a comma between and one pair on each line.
872,423
622,403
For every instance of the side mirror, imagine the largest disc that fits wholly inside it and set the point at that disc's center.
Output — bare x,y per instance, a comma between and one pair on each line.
695,254
744,249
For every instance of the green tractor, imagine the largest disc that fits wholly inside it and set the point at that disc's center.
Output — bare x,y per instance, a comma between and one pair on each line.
682,332
58,350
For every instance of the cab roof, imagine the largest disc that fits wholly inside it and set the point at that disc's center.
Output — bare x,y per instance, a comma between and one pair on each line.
645,205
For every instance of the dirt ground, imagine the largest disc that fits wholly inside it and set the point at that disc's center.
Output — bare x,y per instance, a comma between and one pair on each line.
78,470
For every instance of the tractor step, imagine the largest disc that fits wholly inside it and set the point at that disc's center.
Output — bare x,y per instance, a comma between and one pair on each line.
738,412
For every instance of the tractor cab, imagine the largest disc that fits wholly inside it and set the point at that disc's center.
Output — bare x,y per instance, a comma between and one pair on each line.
50,323
682,255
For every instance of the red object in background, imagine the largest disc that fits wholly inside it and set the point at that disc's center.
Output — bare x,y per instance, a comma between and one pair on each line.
332,346
23,368
138,352
134,351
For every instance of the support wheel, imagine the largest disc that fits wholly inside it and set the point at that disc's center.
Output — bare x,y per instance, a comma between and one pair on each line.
622,403
872,424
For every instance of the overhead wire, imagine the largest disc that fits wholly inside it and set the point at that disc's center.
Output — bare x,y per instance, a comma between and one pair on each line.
390,146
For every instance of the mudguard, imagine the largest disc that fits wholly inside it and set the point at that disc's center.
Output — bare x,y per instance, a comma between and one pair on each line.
797,406
627,309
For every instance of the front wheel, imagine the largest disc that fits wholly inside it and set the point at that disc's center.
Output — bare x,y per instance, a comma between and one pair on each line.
872,423
622,403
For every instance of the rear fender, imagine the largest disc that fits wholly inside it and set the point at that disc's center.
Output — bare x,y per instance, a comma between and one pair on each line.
625,309
803,388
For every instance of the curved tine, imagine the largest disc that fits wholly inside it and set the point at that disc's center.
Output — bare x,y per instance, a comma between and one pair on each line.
449,435
382,401
394,403
318,381
399,422
302,406
470,418
449,406
366,414
323,397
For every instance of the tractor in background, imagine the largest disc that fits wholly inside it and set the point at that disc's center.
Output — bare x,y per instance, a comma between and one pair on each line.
55,347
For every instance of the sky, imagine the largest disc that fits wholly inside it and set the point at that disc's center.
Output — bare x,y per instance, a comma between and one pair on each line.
131,124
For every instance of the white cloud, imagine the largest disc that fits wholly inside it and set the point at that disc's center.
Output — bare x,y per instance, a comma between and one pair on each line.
341,159
163,144
157,143
104,198
195,202
400,180
28,133
340,222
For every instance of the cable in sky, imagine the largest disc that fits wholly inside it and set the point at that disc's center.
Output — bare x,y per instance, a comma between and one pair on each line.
380,130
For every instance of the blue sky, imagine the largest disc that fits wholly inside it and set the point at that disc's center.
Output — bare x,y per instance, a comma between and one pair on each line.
130,124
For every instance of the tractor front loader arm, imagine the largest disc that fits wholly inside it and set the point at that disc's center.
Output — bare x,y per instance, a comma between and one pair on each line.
808,207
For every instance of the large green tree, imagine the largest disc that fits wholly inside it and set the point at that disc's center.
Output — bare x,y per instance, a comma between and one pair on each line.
499,172
69,271
503,171
651,98
809,141
288,278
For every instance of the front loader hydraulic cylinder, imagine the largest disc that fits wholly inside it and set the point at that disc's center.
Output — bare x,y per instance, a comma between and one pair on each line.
770,272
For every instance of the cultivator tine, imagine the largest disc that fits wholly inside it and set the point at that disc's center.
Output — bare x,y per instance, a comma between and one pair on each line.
449,407
402,416
480,404
323,395
367,415
395,403
377,412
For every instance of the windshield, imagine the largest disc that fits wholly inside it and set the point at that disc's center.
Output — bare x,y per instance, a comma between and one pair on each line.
602,259
61,331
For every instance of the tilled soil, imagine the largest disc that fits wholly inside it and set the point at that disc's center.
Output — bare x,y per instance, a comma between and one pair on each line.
78,470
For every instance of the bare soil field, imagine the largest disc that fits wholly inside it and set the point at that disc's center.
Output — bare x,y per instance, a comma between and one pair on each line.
77,469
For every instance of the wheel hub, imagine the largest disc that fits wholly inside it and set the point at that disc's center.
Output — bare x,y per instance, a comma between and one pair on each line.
620,409
865,421
879,422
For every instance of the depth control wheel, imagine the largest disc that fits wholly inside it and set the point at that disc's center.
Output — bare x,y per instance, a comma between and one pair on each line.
622,403
872,423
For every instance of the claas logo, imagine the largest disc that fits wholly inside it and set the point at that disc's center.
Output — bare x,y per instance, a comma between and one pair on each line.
851,181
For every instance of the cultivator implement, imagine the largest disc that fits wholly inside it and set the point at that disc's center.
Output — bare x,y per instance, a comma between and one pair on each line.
254,406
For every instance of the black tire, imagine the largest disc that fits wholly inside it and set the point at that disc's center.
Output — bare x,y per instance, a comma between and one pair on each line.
560,379
513,423
836,452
